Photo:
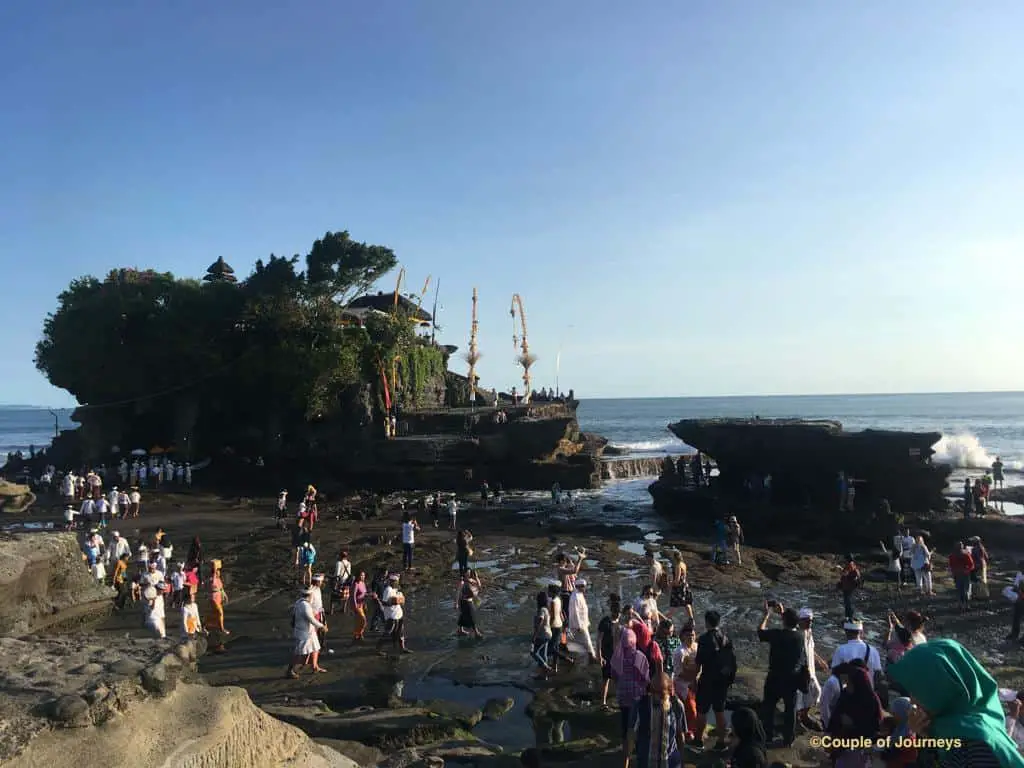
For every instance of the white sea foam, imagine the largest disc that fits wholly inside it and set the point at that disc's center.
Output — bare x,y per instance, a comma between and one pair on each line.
650,446
967,452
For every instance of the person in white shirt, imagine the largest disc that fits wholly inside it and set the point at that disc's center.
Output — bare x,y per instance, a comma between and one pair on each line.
894,570
69,517
579,618
99,571
805,701
316,600
179,474
153,605
393,602
306,644
87,510
453,510
409,528
178,586
188,475
143,472
67,488
191,624
856,649
101,507
656,571
342,581
112,502
135,499
830,692
153,575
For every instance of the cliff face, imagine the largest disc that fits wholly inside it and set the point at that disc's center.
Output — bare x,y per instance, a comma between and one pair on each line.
44,582
804,459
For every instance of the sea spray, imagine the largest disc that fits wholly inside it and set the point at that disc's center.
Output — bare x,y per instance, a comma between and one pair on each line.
967,452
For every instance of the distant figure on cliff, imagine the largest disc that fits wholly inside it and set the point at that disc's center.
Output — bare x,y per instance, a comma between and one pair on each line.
843,488
997,473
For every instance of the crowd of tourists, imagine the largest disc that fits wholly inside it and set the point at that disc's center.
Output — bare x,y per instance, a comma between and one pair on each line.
671,675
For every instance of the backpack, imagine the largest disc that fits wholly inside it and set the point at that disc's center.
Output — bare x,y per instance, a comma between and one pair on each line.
725,659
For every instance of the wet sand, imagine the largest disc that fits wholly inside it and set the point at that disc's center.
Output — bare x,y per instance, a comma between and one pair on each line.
515,546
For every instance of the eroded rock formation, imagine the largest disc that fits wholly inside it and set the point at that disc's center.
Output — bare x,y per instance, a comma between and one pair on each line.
804,459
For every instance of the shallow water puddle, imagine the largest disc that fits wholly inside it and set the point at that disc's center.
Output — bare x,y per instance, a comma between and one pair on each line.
479,565
633,547
512,732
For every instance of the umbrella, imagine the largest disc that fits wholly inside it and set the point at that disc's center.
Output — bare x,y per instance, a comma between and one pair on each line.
139,452
155,450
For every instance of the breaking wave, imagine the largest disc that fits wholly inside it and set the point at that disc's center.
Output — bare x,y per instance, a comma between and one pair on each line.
967,452
650,446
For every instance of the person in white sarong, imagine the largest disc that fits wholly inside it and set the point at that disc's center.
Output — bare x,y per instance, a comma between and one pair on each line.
805,701
579,618
153,602
306,648
191,624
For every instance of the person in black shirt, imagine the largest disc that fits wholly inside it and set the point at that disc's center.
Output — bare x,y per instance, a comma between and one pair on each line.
716,670
786,660
607,632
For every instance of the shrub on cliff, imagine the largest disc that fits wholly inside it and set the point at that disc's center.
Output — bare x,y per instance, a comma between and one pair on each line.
253,358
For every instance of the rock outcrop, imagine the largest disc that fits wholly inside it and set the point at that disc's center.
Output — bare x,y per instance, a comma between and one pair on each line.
44,583
804,459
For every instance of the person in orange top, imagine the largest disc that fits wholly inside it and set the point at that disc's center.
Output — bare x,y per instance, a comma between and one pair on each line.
218,597
960,565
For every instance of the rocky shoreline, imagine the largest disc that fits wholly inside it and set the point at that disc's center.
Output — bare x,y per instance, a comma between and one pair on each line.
442,693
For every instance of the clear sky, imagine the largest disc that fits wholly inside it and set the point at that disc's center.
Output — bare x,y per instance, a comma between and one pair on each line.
693,198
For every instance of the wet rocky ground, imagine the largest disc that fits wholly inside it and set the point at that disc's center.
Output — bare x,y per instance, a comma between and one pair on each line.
455,698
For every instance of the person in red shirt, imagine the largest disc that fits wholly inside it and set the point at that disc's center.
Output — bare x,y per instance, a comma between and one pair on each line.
960,565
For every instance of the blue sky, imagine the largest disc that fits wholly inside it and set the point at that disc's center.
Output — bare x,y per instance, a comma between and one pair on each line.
693,198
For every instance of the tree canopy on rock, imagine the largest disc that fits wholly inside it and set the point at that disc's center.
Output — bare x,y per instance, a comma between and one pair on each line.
259,354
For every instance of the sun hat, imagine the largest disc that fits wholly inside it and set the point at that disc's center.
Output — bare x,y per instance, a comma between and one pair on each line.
149,593
853,626
394,576
805,613
581,582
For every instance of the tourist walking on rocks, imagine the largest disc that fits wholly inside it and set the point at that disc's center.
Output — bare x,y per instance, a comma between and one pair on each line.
608,631
558,616
465,600
316,600
733,538
305,558
978,498
849,582
665,740
921,564
453,511
218,598
359,595
787,663
409,528
282,509
857,715
435,507
680,596
684,665
153,607
894,568
668,644
306,644
656,571
716,672
806,700
393,602
979,576
903,636
579,619
463,549
190,622
567,571
135,502
119,581
341,586
857,649
124,503
960,566
632,674
542,635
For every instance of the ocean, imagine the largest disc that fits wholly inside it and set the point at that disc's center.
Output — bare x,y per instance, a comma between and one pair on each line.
975,427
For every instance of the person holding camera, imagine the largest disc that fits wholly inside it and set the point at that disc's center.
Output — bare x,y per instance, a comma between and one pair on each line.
787,669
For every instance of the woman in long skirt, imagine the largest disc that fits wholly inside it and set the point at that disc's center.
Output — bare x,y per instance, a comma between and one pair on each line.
469,589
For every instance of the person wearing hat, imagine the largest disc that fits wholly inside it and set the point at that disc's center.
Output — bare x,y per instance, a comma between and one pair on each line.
153,606
734,537
805,701
856,649
393,604
579,618
305,629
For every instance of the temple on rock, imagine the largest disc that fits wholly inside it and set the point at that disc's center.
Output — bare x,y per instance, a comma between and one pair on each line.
796,462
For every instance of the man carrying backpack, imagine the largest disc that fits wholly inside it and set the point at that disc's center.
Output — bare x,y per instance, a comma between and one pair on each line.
716,672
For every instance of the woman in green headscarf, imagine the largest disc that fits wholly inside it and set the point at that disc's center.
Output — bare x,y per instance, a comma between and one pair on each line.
955,698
